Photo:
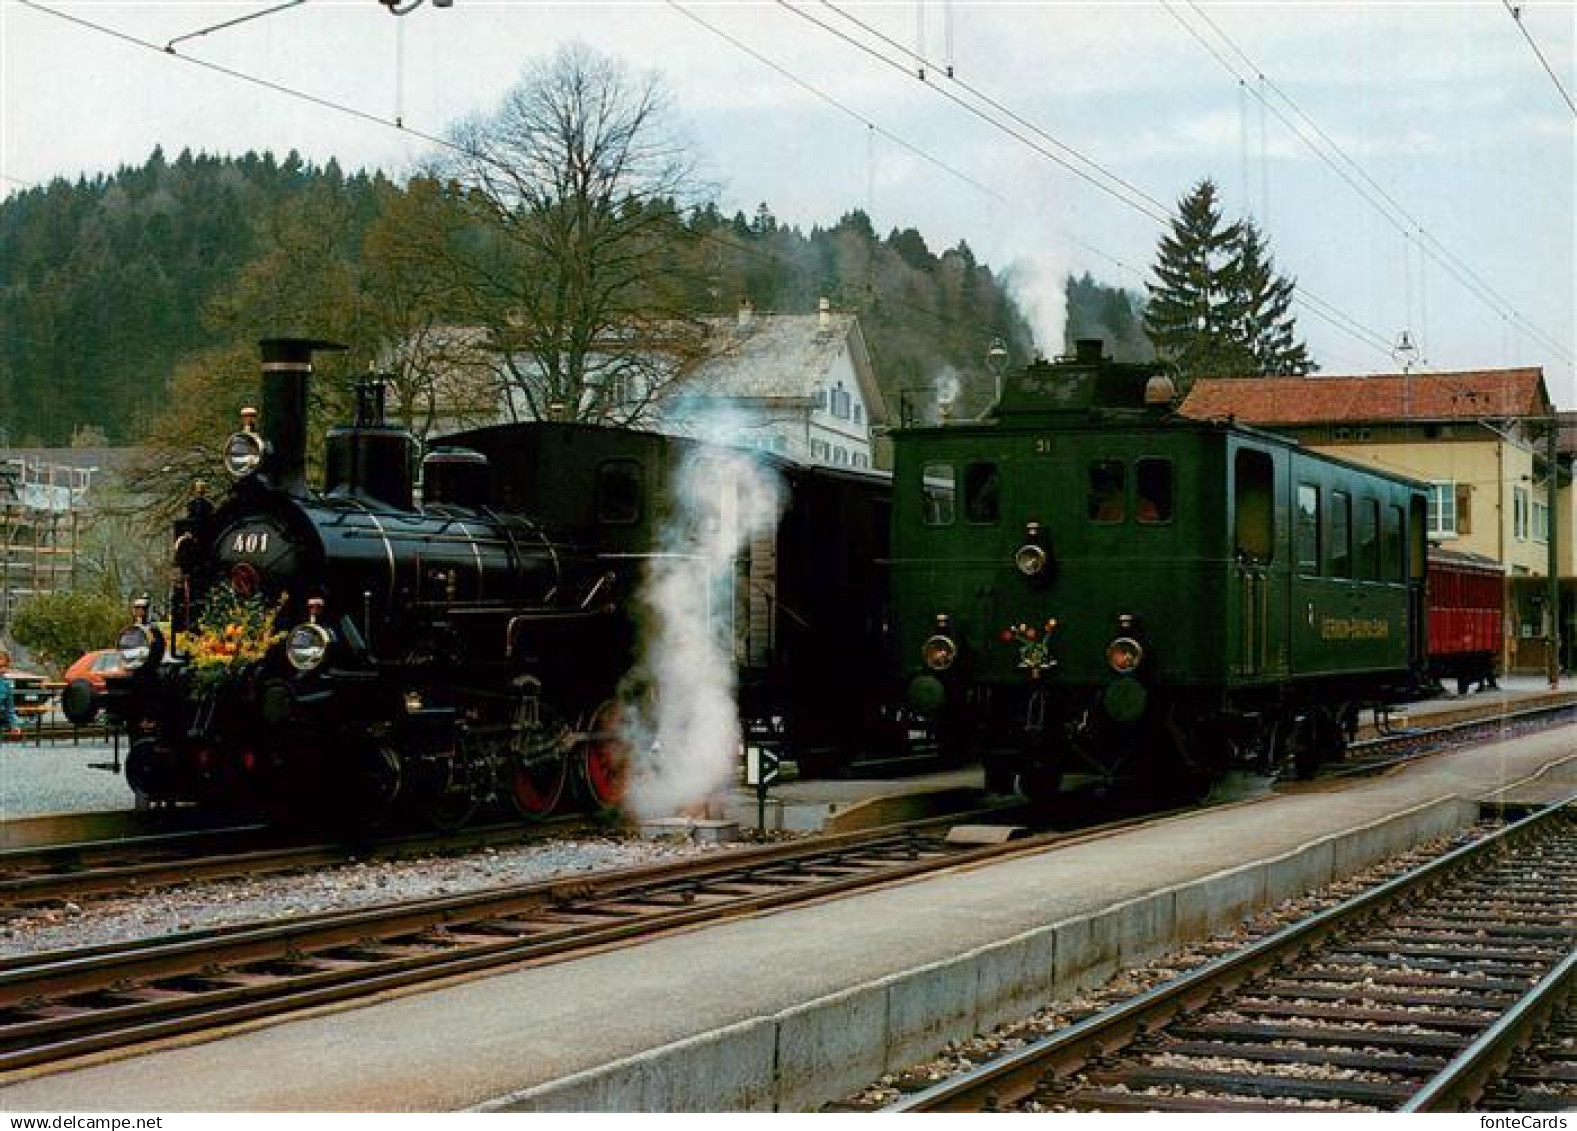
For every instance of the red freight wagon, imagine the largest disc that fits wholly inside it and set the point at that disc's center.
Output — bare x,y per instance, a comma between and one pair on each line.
1466,606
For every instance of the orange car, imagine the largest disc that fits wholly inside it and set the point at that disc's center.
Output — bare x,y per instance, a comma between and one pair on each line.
94,666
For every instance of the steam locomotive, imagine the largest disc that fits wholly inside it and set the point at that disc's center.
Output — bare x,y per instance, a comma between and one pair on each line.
353,651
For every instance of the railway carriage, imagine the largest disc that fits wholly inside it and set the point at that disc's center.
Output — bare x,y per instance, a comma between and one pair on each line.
1087,584
1466,617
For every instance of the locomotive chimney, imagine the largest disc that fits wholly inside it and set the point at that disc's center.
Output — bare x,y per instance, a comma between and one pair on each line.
287,371
1088,351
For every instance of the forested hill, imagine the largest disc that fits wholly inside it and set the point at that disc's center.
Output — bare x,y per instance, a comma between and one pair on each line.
108,285
104,284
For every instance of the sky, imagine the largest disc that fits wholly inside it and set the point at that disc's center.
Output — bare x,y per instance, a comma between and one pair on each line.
1414,165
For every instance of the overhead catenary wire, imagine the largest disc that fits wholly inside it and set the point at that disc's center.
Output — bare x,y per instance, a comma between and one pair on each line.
1072,159
1402,219
1516,16
1144,204
1122,190
817,92
368,116
1329,150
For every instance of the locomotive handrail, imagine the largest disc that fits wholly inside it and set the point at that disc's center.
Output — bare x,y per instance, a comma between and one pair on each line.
413,536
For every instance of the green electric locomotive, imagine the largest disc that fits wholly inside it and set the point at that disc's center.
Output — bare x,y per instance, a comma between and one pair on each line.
1086,584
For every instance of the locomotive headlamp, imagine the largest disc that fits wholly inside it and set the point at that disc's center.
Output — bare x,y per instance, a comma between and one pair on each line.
939,652
243,454
1030,559
137,645
307,646
1124,654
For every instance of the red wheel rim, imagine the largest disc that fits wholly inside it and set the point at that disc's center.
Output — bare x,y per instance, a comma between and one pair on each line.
536,790
605,757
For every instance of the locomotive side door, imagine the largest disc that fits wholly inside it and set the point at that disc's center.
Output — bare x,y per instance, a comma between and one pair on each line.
1255,628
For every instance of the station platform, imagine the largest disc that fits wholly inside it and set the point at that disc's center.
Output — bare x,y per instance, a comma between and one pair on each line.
788,1010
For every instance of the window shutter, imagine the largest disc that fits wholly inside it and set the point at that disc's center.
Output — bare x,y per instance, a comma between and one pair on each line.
1464,509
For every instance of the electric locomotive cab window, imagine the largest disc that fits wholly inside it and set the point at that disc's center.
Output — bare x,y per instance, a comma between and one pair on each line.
1107,500
938,494
1154,480
1254,520
1393,563
619,492
1341,534
982,492
1368,566
1307,534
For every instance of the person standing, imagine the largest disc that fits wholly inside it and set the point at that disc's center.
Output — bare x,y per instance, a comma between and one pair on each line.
8,720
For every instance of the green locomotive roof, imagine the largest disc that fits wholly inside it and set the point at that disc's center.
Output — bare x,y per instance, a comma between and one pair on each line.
1083,383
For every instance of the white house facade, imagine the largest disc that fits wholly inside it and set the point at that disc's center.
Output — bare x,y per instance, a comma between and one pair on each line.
798,385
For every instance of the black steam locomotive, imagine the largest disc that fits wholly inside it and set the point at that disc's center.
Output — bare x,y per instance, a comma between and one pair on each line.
352,650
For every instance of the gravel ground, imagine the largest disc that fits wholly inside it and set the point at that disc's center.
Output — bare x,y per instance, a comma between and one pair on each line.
961,1056
199,905
56,777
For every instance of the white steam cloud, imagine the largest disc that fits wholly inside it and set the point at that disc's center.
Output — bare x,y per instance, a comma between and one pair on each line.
684,734
1036,282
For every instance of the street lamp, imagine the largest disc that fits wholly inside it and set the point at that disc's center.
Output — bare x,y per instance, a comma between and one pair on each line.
997,362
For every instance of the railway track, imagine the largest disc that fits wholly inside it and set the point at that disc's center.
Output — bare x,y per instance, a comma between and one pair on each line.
1434,991
1384,752
40,876
59,1005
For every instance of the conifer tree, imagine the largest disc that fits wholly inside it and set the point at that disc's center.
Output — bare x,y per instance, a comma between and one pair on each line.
1189,316
1217,307
1266,299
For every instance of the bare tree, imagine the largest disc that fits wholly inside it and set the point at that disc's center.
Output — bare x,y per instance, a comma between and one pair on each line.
577,276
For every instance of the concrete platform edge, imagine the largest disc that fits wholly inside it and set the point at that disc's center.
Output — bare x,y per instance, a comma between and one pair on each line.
801,1058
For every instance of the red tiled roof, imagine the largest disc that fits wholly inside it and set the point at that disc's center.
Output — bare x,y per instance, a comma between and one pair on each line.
1384,398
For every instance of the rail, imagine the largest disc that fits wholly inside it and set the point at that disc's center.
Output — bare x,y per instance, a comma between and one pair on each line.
1286,998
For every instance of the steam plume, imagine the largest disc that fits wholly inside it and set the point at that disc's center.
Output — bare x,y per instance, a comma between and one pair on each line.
685,737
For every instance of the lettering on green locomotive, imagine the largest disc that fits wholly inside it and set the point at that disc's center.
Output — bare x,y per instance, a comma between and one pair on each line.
1355,628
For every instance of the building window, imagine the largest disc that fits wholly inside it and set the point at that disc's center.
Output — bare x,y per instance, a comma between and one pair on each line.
1541,523
859,415
818,449
1443,510
842,403
1519,513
